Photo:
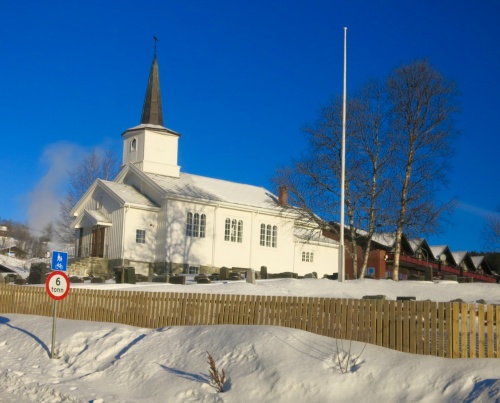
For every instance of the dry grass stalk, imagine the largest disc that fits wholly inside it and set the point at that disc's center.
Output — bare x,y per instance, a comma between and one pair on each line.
217,378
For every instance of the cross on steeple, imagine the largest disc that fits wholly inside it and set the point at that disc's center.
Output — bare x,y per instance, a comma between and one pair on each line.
152,110
156,40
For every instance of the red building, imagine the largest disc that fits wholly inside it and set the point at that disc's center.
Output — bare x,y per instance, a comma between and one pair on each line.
417,261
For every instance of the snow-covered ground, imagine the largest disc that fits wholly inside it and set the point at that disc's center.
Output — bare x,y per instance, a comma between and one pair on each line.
103,362
18,266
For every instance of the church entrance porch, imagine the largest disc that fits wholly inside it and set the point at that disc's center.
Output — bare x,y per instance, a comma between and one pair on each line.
92,245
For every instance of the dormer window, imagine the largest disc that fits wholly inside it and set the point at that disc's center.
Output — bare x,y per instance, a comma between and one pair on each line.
133,145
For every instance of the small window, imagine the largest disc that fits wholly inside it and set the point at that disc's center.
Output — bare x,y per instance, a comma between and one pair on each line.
194,270
140,236
133,145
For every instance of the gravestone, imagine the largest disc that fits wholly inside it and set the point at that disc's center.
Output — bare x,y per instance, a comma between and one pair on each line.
406,298
224,273
263,272
177,280
250,276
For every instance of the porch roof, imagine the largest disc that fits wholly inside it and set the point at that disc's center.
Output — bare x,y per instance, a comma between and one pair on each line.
95,217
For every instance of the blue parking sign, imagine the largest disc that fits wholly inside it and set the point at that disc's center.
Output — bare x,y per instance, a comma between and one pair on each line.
59,261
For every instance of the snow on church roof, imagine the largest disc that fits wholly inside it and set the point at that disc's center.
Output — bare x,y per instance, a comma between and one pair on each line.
216,190
128,193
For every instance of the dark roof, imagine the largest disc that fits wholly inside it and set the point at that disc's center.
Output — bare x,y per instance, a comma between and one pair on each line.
152,110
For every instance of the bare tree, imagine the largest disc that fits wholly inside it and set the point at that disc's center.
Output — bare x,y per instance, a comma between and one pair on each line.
20,235
422,103
313,181
398,143
94,165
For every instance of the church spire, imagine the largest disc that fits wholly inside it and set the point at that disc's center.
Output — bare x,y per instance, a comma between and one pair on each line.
152,111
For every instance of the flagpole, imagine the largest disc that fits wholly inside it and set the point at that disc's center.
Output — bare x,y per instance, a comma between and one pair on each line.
341,276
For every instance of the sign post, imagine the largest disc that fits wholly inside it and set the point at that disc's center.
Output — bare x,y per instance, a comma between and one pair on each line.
57,286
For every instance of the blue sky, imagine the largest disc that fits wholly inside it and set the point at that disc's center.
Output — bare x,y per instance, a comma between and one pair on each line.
239,80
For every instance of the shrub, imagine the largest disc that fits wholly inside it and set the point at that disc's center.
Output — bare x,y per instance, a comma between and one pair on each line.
344,360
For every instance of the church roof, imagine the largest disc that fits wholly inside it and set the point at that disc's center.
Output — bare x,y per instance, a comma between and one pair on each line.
215,190
128,194
159,128
152,110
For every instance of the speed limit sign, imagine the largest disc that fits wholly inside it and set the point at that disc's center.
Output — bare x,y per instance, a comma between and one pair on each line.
57,285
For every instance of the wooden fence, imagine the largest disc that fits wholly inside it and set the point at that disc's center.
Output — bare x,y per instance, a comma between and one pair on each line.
452,329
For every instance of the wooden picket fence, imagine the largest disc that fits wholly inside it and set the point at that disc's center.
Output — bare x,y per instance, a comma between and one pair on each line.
451,330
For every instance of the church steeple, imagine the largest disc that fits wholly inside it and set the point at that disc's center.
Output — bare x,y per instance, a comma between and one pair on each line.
152,110
152,147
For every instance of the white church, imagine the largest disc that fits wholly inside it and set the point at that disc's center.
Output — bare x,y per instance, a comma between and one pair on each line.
160,220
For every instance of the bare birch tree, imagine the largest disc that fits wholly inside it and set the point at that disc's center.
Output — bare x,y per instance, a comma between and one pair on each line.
422,103
313,181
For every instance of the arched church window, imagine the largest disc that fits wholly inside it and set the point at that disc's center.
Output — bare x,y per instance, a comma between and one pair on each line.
133,145
233,230
269,235
203,225
189,224
196,225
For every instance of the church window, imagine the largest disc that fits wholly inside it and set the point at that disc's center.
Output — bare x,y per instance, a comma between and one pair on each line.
308,257
269,235
233,230
196,225
133,145
240,231
189,224
203,225
227,229
140,236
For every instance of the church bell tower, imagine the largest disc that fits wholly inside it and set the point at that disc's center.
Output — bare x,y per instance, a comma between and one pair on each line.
151,147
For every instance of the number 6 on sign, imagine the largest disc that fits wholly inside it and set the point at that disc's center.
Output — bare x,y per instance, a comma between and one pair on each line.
57,285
